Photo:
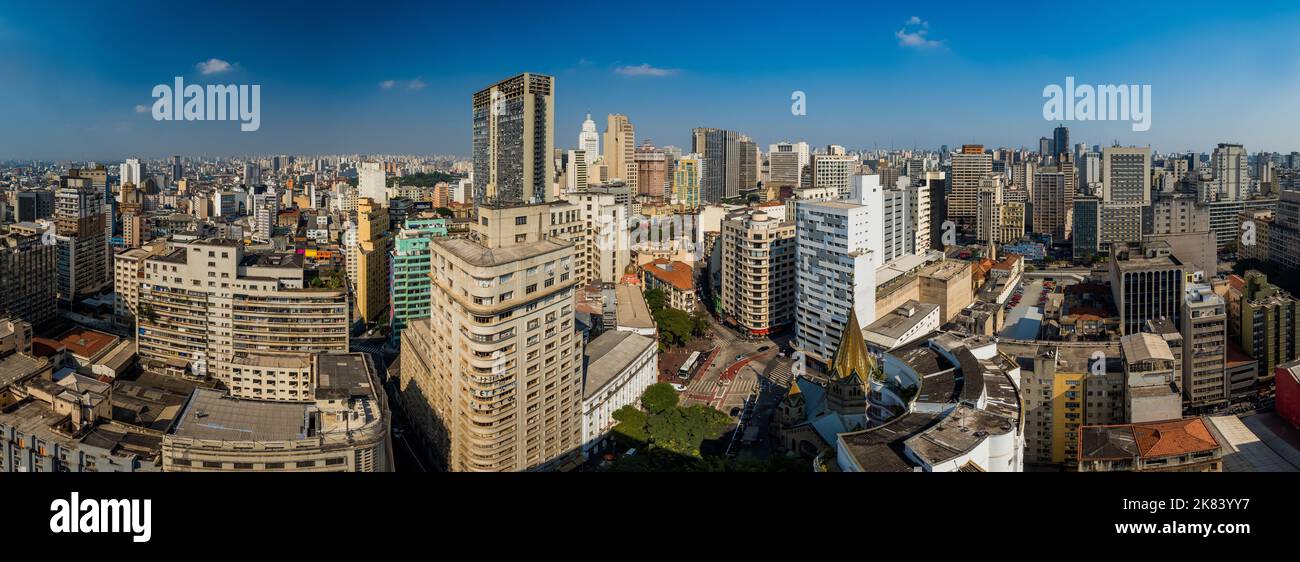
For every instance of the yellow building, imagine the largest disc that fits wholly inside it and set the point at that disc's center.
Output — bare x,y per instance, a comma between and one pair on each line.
686,182
373,243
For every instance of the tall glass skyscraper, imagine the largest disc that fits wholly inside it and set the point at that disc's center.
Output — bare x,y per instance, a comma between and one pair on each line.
513,134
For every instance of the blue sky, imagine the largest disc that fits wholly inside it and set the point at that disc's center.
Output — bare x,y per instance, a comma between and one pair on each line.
875,74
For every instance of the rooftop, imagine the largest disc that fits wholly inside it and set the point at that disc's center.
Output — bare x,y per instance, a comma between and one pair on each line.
609,354
210,414
675,273
1145,347
479,255
902,319
1146,440
632,310
343,376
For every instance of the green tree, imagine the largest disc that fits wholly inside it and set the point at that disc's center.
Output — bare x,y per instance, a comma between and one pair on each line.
659,398
630,431
654,299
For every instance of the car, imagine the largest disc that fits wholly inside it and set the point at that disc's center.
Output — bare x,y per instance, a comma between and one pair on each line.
679,387
735,412
739,357
630,452
764,348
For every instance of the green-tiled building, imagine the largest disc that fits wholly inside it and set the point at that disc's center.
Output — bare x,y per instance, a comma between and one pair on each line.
409,278
1268,324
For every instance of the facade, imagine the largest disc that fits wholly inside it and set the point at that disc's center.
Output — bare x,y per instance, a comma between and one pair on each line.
720,167
786,162
604,254
687,181
620,150
1287,402
492,381
1205,347
651,172
758,265
948,284
512,138
1053,204
28,278
79,218
208,311
589,139
1270,324
620,366
371,253
675,279
968,165
409,287
343,428
834,172
1152,376
1147,284
128,270
372,182
837,251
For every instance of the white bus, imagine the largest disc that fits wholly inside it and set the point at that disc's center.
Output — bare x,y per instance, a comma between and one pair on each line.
685,371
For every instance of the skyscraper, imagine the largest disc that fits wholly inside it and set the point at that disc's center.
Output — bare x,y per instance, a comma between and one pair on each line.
968,166
1231,174
1125,193
620,150
786,162
80,218
512,138
589,139
1060,140
721,165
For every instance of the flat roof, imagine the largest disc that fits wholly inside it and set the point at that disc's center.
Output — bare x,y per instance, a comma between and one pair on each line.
210,414
85,342
609,354
1145,346
632,310
897,322
479,255
342,376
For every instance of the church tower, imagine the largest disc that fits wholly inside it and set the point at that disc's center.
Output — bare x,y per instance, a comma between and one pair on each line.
851,372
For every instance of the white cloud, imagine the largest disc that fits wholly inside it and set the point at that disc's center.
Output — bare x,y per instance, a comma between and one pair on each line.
142,109
213,66
416,84
645,70
914,34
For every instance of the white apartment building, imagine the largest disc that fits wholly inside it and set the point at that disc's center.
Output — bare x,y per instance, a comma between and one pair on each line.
837,252
606,242
834,171
371,182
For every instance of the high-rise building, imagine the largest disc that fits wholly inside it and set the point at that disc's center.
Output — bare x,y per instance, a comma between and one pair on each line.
83,242
786,162
898,235
130,172
1205,351
409,290
620,150
1060,140
606,245
968,166
33,205
1087,225
577,171
374,242
1230,172
651,172
1147,283
589,139
1125,192
1052,204
834,172
372,182
837,253
758,263
28,278
1270,324
208,311
492,381
687,181
512,140
721,165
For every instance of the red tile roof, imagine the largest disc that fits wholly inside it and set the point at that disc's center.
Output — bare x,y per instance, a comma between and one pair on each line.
678,274
1174,437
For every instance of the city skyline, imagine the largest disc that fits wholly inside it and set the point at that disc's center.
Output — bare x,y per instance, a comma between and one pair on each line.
903,77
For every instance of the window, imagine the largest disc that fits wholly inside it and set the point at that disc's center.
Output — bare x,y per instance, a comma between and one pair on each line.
521,220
